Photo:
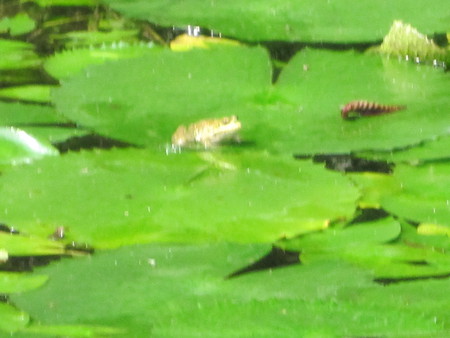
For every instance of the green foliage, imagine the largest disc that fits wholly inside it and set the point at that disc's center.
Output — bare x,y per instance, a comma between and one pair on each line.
17,55
298,114
68,63
291,20
12,319
406,42
159,197
16,146
179,222
180,290
432,150
425,193
20,282
17,25
33,93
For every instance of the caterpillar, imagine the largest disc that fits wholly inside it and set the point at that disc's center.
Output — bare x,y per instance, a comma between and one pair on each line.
365,108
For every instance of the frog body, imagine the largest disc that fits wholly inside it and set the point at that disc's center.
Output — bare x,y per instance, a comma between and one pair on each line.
207,133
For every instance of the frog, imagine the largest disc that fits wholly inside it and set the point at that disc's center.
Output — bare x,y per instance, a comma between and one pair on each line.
207,133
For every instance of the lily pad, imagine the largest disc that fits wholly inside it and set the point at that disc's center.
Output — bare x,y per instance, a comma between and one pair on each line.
290,20
297,115
79,39
33,93
424,197
364,244
17,25
16,146
144,100
432,150
15,114
181,291
20,282
70,62
12,319
20,245
136,196
319,83
17,55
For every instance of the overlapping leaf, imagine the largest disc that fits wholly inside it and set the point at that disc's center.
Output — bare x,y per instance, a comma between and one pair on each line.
181,290
290,20
128,196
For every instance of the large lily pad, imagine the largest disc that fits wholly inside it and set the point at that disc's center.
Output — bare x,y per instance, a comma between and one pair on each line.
128,196
290,20
301,114
144,100
321,82
176,291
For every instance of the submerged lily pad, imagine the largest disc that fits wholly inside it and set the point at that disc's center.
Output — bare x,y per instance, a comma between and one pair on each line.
136,196
181,291
291,20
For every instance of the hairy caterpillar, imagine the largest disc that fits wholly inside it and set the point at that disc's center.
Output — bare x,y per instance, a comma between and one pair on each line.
365,108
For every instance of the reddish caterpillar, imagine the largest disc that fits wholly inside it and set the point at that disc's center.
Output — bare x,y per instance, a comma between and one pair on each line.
365,108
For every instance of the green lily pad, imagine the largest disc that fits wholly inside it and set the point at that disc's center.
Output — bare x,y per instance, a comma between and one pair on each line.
424,196
33,93
79,39
47,3
298,115
12,319
15,114
137,196
17,55
290,20
17,25
69,331
321,82
144,100
70,62
434,150
363,244
176,291
20,282
334,240
373,186
16,146
410,235
20,245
